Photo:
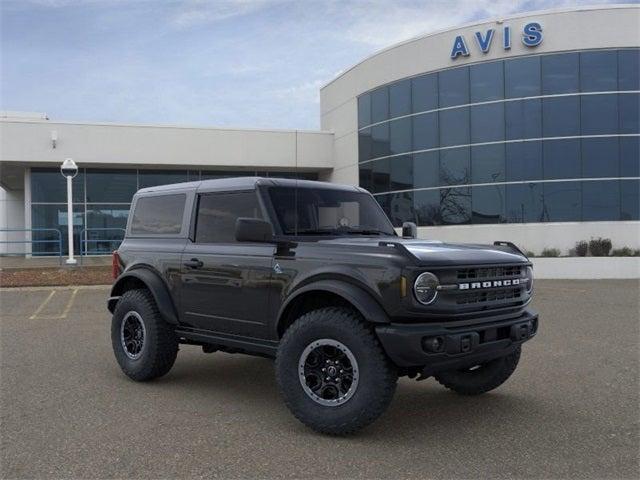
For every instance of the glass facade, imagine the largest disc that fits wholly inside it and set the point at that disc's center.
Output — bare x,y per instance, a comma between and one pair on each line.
101,203
545,138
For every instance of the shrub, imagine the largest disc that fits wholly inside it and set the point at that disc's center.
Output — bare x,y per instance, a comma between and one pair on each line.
600,247
550,252
530,253
636,252
622,252
581,249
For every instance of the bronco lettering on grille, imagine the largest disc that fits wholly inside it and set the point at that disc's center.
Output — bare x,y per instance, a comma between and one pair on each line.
490,284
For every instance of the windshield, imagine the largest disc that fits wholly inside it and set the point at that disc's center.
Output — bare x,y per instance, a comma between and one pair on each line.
328,212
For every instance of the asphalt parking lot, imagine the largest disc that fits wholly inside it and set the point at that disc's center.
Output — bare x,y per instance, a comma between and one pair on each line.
570,411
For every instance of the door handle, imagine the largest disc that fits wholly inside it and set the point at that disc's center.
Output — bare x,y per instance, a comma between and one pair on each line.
193,263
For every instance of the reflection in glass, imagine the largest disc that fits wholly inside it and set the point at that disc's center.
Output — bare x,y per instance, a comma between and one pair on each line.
487,81
523,161
600,201
400,135
599,114
453,86
401,208
425,131
488,204
562,202
105,228
598,71
629,69
401,176
161,177
524,203
561,116
424,93
380,140
487,123
49,186
454,127
487,163
455,205
630,157
364,145
523,119
600,157
630,200
365,176
55,217
629,113
560,73
111,186
400,99
426,169
381,175
522,77
455,166
379,104
427,207
561,159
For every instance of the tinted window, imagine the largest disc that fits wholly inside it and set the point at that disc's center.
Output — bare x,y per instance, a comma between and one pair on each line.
379,105
401,208
599,114
425,131
218,212
488,205
364,110
424,93
453,87
630,200
111,186
159,215
562,202
426,169
523,119
454,127
380,140
524,203
629,113
600,201
152,179
561,116
487,81
487,164
598,71
49,186
455,205
112,221
380,174
400,98
561,159
427,207
401,172
523,161
629,70
365,176
52,216
364,144
400,135
600,157
454,166
522,77
487,123
630,157
560,73
207,175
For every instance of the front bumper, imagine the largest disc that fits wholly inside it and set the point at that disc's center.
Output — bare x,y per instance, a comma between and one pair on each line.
448,346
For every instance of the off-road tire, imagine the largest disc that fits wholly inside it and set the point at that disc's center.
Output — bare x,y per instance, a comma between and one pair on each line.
490,375
377,376
160,346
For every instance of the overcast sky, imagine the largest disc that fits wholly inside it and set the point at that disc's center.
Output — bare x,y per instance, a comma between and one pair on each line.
243,63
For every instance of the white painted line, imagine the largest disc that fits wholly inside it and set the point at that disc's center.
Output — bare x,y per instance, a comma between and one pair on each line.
42,305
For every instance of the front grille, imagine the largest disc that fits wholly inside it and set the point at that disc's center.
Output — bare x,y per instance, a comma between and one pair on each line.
501,294
493,272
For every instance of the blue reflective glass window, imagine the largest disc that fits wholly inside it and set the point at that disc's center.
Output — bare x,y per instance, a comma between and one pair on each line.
400,98
425,131
523,161
380,140
487,81
524,203
426,204
488,204
522,77
111,186
105,228
630,200
629,113
426,169
401,208
453,87
630,156
599,71
600,201
401,174
561,116
455,205
400,135
424,92
455,166
380,175
599,114
600,157
365,148
629,69
364,110
560,73
523,119
49,186
487,123
561,159
487,163
562,202
52,217
161,177
364,171
379,104
454,127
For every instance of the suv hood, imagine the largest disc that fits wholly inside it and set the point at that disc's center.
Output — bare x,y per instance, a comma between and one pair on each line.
436,253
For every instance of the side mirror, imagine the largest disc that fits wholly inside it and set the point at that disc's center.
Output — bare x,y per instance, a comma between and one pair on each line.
253,230
409,230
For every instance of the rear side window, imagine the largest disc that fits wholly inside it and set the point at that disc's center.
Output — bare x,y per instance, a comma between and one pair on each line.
158,215
218,212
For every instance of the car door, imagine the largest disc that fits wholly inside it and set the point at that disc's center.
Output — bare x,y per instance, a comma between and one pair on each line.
224,282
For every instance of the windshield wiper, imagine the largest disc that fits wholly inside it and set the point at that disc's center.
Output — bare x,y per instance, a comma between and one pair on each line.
315,231
365,231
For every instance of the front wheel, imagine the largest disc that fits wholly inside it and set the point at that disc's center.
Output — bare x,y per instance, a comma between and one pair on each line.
332,372
480,378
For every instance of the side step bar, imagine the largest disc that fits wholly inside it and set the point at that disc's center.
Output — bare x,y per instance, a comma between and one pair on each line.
237,342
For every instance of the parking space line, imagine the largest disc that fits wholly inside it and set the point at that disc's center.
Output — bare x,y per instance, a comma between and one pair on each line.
64,313
42,305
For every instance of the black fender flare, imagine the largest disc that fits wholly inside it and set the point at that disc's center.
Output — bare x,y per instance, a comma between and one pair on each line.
154,284
368,307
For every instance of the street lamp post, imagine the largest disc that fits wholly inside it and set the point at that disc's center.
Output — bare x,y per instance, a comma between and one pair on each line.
69,170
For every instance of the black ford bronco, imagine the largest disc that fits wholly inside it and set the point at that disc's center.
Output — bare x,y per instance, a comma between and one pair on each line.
314,275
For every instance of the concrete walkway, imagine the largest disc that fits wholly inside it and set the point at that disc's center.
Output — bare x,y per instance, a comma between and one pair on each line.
21,262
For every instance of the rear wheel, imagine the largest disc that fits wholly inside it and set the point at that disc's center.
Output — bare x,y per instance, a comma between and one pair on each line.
144,345
480,378
332,372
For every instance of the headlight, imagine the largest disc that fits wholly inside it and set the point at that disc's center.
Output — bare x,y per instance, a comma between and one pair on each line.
425,288
529,275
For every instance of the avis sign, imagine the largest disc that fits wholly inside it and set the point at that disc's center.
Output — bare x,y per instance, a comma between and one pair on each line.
531,37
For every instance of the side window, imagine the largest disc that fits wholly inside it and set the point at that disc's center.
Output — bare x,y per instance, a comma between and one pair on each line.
158,215
218,212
